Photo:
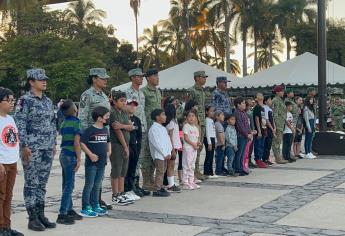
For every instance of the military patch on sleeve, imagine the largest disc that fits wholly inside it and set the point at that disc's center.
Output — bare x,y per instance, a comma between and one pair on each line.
83,101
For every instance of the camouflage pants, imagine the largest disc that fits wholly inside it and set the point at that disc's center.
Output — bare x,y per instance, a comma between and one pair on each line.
147,165
197,162
36,174
276,144
338,123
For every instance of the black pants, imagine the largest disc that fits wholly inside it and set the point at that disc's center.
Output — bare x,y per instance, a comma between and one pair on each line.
208,165
267,147
287,143
251,148
132,168
179,161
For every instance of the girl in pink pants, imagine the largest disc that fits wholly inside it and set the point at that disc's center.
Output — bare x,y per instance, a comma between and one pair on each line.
190,149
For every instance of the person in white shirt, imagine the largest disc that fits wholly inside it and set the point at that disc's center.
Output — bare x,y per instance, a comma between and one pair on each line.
160,148
190,150
9,155
209,141
288,132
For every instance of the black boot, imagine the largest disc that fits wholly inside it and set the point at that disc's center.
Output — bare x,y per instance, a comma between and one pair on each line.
44,220
137,187
34,223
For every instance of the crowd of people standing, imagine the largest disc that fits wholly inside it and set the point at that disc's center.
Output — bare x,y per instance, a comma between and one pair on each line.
142,134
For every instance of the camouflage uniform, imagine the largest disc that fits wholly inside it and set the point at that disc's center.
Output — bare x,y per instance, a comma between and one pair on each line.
221,101
279,116
138,96
295,109
153,98
337,114
198,94
35,119
90,99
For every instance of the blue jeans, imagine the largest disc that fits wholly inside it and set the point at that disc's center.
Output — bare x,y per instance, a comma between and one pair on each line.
93,183
238,161
68,164
259,145
309,137
219,160
230,154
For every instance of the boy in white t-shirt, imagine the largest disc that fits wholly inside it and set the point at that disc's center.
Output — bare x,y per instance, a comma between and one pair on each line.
288,132
9,155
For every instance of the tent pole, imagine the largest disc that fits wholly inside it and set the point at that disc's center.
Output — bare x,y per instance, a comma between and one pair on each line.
322,57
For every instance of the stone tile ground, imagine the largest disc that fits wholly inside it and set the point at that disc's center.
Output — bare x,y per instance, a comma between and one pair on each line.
303,198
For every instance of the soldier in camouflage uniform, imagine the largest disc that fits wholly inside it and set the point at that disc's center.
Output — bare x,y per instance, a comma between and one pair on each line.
220,98
92,98
197,93
337,111
35,119
279,116
153,98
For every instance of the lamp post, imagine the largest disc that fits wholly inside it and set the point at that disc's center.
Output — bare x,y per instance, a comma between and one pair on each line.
322,58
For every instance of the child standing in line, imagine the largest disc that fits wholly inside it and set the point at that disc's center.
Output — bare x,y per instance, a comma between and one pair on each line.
271,130
70,158
299,129
190,149
160,148
181,122
220,145
231,143
95,142
173,131
209,141
9,155
288,133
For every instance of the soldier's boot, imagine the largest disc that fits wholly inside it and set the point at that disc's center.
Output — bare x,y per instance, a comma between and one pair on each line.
34,223
44,220
147,185
197,171
279,160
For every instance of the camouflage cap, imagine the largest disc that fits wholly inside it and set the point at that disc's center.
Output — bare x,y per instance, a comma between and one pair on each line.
100,72
135,72
151,71
289,90
200,74
36,74
310,89
222,79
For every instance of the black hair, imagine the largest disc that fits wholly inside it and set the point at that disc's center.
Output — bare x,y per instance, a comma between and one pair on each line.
266,98
170,112
190,104
89,79
168,100
99,112
66,106
5,93
186,113
308,104
238,101
228,116
288,103
116,95
208,108
155,113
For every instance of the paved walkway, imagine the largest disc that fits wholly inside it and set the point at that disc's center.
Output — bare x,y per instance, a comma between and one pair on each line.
303,198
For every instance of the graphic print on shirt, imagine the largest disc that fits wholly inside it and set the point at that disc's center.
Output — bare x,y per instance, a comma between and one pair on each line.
9,136
99,138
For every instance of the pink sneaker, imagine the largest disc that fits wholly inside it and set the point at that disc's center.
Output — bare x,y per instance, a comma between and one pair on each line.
187,187
195,186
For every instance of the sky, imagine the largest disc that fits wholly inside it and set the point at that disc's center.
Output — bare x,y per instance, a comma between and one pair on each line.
121,16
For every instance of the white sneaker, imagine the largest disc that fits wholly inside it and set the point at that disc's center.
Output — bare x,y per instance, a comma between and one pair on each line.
134,196
314,157
308,156
129,196
302,155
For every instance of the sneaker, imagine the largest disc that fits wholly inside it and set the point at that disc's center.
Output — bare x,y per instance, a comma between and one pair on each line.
117,199
252,165
105,206
65,220
314,157
269,163
174,189
88,212
233,174
74,215
186,187
138,192
12,232
308,156
127,196
301,156
195,186
161,193
133,195
261,164
145,192
99,210
213,176
197,181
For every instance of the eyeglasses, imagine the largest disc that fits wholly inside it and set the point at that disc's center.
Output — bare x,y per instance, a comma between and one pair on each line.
9,100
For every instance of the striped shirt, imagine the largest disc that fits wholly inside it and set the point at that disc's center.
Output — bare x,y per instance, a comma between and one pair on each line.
69,129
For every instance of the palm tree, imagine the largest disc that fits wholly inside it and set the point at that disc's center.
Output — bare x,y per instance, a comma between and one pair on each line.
135,4
84,12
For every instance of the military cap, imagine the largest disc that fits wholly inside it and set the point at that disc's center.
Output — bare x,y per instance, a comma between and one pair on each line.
135,72
152,71
200,74
310,89
222,79
36,74
132,101
99,72
289,90
278,88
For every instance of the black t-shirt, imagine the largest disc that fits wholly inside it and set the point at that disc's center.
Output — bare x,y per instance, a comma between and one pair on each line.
136,134
97,141
259,112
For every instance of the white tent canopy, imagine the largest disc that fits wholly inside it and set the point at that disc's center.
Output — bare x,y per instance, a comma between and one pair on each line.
181,76
301,70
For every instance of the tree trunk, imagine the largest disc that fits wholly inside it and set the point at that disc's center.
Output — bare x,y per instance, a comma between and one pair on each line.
288,48
271,53
137,38
186,31
158,64
216,56
227,45
255,51
245,66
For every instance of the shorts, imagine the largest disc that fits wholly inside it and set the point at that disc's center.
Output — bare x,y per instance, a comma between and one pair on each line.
119,164
298,138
